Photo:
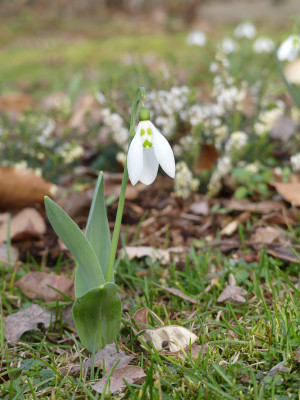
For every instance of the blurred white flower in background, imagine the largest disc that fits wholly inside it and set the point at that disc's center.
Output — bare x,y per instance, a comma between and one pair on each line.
295,162
263,44
245,30
196,38
289,48
184,182
228,45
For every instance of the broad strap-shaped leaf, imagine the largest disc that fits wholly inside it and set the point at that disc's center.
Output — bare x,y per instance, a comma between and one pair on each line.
89,274
97,229
97,316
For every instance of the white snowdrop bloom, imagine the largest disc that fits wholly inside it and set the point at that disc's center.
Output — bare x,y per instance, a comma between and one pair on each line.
100,97
196,38
148,149
245,30
228,45
263,44
295,162
289,48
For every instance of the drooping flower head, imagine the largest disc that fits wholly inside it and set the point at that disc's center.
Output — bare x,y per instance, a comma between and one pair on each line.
148,149
289,48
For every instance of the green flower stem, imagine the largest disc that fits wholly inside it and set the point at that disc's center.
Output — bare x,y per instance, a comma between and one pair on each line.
115,238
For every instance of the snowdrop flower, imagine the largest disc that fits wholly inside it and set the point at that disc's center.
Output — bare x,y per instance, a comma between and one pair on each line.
289,49
148,149
263,44
245,30
196,38
295,162
228,45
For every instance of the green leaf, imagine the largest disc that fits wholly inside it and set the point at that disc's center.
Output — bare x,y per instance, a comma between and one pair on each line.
241,193
89,274
97,316
97,229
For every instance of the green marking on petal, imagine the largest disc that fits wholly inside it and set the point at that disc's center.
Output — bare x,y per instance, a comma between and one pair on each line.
149,131
143,132
146,144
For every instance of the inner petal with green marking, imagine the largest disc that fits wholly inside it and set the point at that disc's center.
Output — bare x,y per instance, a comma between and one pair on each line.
146,136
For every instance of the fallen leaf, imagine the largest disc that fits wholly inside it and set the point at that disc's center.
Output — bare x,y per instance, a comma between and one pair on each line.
200,207
109,356
232,293
130,373
172,338
27,224
164,256
266,235
177,292
15,102
35,286
23,321
230,228
283,254
259,207
141,318
21,187
195,350
8,255
280,367
283,129
290,191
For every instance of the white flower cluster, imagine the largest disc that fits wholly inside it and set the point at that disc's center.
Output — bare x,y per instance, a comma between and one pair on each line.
228,45
46,127
224,166
164,105
267,119
70,152
245,30
236,142
115,123
184,182
295,162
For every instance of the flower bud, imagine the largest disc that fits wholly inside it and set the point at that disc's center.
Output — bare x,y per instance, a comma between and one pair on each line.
144,114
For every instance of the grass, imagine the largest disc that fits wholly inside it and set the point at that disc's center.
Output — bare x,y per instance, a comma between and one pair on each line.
244,342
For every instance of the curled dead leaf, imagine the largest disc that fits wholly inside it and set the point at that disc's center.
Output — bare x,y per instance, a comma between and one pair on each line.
27,224
21,187
131,374
23,321
8,255
36,285
232,293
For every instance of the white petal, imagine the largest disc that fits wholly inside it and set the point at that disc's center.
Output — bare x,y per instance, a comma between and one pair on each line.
163,152
135,158
150,167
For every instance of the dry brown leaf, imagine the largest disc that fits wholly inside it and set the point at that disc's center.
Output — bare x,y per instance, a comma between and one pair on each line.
164,256
177,292
141,318
21,187
290,191
232,293
292,71
283,254
230,228
200,208
15,102
27,224
283,129
35,286
109,355
9,256
262,207
23,321
195,350
280,367
130,373
266,235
